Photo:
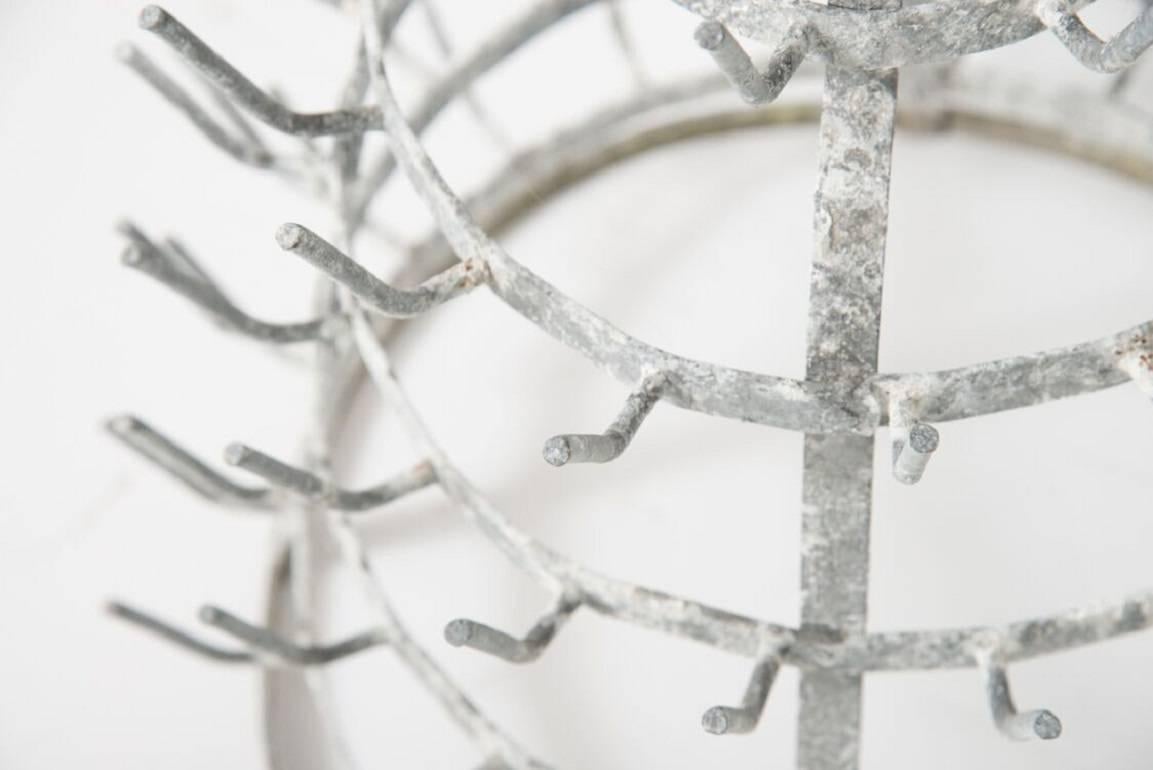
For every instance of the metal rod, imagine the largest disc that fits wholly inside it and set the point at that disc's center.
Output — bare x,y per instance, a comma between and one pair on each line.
1014,725
753,86
603,447
242,148
177,636
185,467
191,282
258,103
911,452
281,649
378,295
852,212
310,485
1100,56
469,633
723,720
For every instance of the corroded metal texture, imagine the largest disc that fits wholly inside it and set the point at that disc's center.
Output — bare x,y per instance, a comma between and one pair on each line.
858,117
839,405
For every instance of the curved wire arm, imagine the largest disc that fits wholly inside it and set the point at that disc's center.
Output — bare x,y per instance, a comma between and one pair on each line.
1017,726
262,642
469,633
302,482
752,397
721,720
185,467
176,270
602,447
1018,381
378,295
1100,56
754,87
261,105
240,148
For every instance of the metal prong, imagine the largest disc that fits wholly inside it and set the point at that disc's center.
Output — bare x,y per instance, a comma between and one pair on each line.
387,300
753,86
181,464
602,447
177,636
1018,726
1114,56
720,720
261,105
194,285
242,149
310,485
468,633
282,649
912,451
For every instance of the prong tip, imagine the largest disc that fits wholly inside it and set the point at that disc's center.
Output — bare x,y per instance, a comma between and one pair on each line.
121,424
210,615
458,632
151,16
289,235
125,51
132,256
924,438
1047,726
113,607
556,451
716,720
710,35
236,453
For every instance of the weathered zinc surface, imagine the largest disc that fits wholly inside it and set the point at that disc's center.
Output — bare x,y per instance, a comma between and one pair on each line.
839,405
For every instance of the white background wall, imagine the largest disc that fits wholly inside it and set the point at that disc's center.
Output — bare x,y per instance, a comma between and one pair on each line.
702,249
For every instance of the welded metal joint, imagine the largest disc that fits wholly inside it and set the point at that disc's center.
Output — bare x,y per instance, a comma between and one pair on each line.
725,720
469,633
603,447
754,86
1100,56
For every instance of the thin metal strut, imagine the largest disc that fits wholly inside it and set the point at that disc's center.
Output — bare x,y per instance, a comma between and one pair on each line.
852,212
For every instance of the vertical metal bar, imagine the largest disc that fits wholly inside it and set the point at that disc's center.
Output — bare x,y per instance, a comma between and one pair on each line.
852,209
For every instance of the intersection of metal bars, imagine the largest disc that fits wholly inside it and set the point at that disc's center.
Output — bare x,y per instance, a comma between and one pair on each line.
839,406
